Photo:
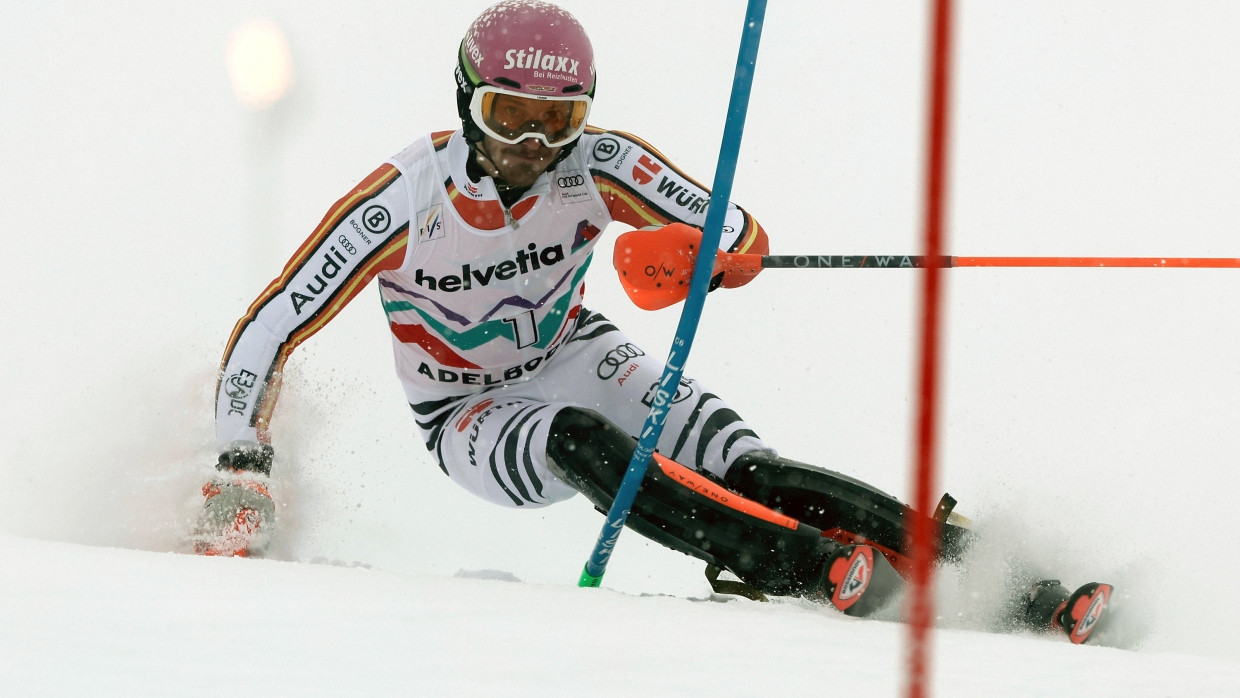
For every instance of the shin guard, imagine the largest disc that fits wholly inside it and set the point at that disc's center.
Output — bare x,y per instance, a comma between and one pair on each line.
845,509
688,510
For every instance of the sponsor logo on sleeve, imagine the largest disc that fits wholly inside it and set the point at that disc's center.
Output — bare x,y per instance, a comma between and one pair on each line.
605,149
687,197
238,389
623,156
645,170
360,232
377,219
346,244
334,262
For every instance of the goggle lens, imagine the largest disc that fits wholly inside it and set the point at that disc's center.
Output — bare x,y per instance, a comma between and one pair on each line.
512,118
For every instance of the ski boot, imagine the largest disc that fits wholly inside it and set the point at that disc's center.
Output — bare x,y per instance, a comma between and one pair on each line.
856,579
1049,606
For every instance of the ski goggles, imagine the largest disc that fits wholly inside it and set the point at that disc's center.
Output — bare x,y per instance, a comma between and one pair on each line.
510,117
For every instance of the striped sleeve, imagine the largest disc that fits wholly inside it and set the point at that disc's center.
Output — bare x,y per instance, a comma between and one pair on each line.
642,188
362,234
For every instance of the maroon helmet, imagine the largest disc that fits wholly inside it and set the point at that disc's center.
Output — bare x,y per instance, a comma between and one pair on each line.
525,69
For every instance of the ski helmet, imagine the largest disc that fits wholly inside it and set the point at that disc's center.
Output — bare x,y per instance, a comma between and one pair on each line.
537,53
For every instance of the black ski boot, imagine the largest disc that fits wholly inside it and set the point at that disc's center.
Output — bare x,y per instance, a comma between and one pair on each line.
1049,606
855,579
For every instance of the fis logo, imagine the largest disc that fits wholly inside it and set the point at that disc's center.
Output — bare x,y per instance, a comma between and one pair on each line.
430,223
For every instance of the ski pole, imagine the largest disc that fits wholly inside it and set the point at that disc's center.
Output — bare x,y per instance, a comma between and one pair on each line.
913,261
729,151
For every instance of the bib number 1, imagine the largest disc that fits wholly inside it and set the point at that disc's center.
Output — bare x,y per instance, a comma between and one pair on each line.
524,329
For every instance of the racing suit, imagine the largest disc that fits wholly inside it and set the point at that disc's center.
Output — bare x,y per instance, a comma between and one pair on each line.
484,303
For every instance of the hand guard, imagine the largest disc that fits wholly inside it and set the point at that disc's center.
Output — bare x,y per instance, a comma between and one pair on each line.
238,515
656,265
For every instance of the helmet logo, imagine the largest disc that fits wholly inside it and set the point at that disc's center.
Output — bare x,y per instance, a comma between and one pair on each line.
471,47
538,60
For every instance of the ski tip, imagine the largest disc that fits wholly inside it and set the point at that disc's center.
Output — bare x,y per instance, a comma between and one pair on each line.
858,580
849,574
1084,611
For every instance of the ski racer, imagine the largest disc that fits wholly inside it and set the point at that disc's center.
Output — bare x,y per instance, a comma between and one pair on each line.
479,240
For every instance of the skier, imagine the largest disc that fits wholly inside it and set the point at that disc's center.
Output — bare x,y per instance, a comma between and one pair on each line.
479,239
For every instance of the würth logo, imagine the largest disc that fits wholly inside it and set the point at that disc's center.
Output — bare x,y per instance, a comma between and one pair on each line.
683,196
645,170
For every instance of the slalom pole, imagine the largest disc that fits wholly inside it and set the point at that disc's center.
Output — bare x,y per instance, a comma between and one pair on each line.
924,531
721,193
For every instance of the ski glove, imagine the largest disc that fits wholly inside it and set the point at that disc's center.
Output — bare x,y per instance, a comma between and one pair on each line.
238,514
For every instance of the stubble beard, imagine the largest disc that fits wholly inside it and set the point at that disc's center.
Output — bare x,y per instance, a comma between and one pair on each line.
517,165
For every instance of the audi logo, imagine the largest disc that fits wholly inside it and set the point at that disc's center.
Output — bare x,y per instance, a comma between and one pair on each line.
617,358
348,246
571,181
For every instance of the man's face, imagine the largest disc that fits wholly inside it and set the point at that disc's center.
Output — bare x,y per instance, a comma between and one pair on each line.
521,164
511,116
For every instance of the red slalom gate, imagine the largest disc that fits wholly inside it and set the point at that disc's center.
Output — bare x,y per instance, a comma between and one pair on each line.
924,533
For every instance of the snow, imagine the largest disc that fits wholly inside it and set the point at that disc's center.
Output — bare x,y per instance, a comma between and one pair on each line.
104,621
1089,419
